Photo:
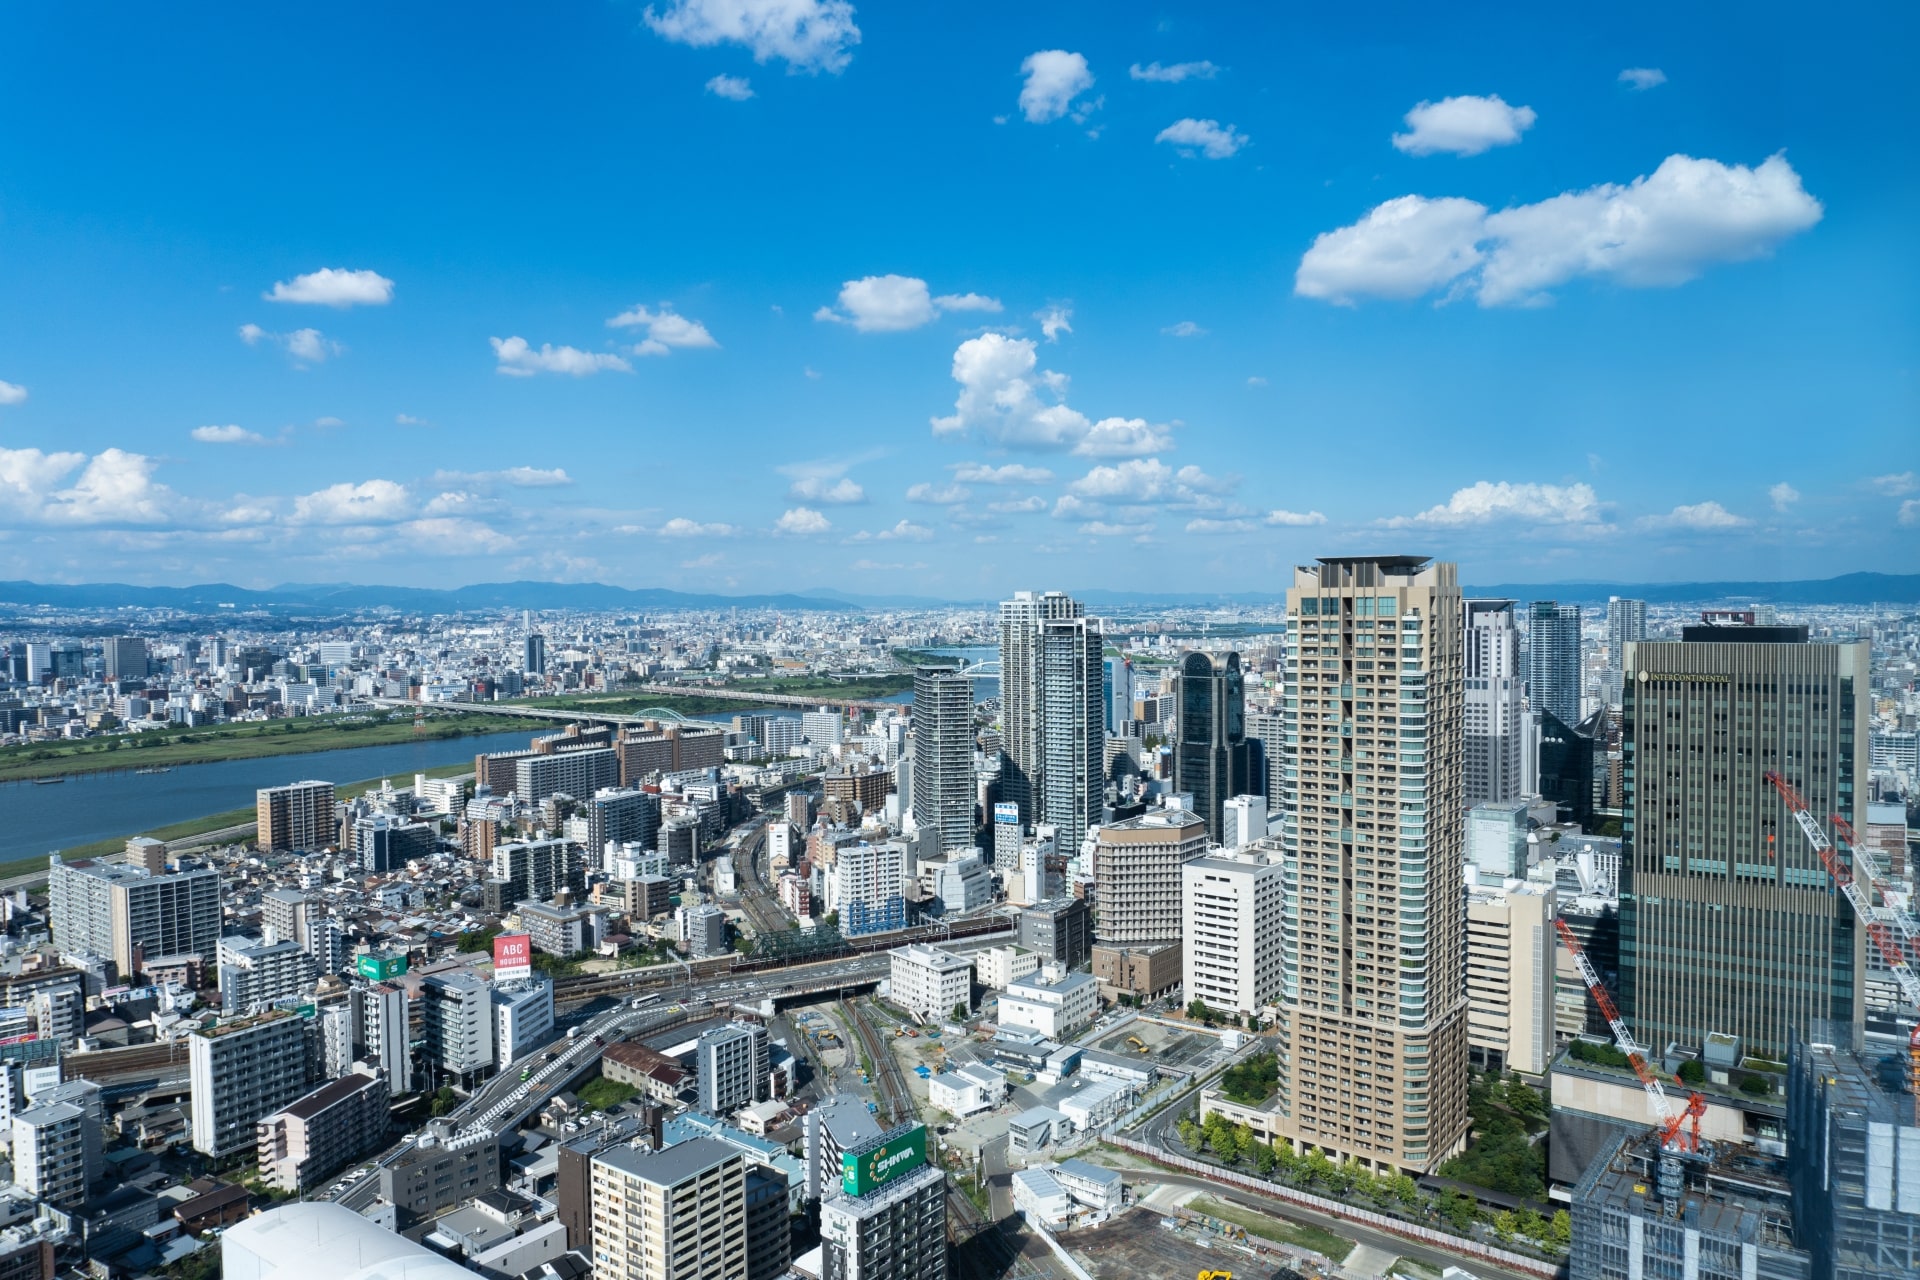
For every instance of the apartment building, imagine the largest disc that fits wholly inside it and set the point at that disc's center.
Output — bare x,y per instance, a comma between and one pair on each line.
1138,878
125,914
49,1153
1235,929
676,1214
734,1066
314,1135
240,1071
457,1015
1511,956
928,982
298,816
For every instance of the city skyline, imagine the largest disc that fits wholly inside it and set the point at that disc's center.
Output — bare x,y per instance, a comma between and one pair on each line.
1584,301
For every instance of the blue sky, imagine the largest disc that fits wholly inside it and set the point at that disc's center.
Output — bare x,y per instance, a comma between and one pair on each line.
782,294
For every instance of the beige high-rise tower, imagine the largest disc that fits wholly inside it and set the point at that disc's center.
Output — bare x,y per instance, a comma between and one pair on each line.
1375,1041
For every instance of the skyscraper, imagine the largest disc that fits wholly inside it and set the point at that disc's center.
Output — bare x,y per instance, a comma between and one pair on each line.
1496,727
1553,659
1626,623
534,655
1210,760
126,657
943,787
1023,716
1117,689
1377,1035
1728,921
1073,748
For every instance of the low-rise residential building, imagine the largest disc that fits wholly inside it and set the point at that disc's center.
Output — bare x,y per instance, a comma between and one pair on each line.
930,983
1051,1002
967,1089
1001,965
312,1136
651,1072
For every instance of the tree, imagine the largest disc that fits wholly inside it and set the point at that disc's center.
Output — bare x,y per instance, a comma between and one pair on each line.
1244,1140
1190,1133
1691,1072
1197,1010
1265,1158
1317,1168
1560,1230
1403,1188
444,1100
1504,1225
1459,1210
960,1012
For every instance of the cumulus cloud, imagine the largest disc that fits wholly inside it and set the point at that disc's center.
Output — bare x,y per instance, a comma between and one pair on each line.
369,502
408,420
1054,321
681,527
1204,524
876,566
892,303
1910,512
939,495
114,487
334,287
1011,473
1174,73
228,434
1783,496
303,346
1706,517
1896,485
904,531
519,359
1124,438
802,521
1643,78
1207,138
1659,230
1000,398
513,477
1149,480
454,536
1110,529
735,88
808,35
1488,501
12,393
1017,506
841,492
1054,79
1293,519
665,330
1184,329
1464,126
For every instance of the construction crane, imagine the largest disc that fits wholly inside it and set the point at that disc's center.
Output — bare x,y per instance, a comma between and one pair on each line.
1672,1136
1888,927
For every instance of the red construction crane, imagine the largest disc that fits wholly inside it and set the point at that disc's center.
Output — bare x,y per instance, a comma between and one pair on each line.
1671,1136
1882,926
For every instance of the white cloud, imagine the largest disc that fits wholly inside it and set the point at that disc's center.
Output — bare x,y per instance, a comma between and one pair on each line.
408,420
1054,78
114,487
735,88
1054,321
893,303
1149,480
453,536
1174,73
944,495
1001,399
460,502
1643,78
1185,329
1108,529
1294,519
1401,249
334,287
1488,501
328,421
665,330
1255,380
681,527
515,477
1700,516
1017,506
841,492
1910,512
1206,525
1783,496
904,531
12,393
519,359
1124,438
1011,473
1660,230
1465,126
808,35
1208,138
875,566
1897,485
803,521
304,346
370,502
229,434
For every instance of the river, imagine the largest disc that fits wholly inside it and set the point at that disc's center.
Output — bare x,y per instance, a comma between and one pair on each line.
36,820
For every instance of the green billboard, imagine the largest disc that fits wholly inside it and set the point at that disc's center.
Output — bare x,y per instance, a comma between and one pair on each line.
378,966
901,1152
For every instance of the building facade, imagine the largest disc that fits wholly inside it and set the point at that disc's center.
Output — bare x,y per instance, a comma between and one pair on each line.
734,1067
1137,875
298,816
126,914
928,982
1234,929
1210,757
1496,703
1728,921
1375,1039
242,1070
1553,659
943,786
1511,956
676,1214
314,1135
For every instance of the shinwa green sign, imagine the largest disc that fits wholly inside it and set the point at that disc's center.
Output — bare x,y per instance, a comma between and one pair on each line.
875,1167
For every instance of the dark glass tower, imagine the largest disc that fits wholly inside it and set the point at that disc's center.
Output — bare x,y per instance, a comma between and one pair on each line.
1210,755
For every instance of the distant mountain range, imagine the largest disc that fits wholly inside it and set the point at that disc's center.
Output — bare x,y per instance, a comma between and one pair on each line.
337,598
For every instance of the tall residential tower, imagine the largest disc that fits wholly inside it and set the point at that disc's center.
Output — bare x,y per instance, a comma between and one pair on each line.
1210,759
